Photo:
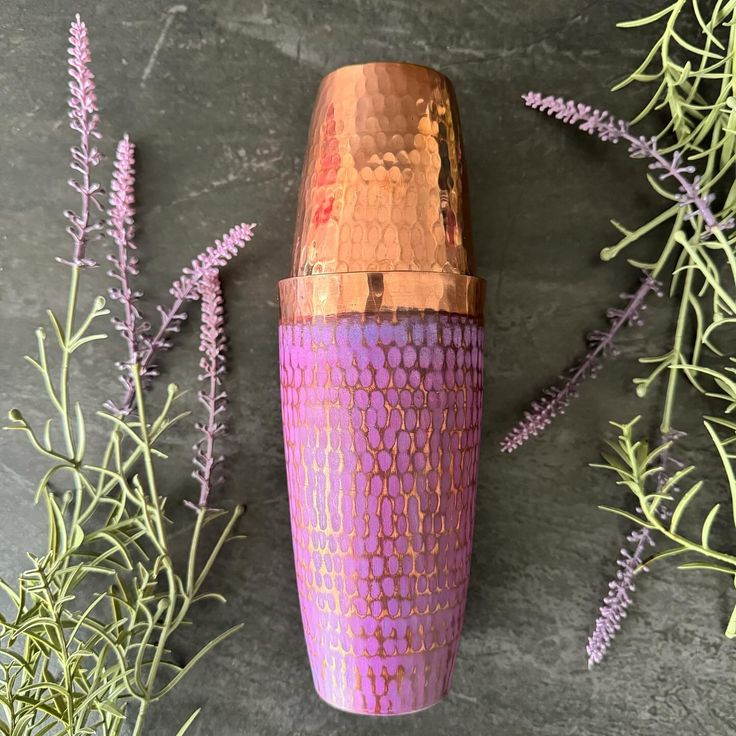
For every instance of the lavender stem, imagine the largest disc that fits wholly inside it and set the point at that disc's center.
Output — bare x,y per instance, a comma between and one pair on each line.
608,128
212,397
186,288
556,398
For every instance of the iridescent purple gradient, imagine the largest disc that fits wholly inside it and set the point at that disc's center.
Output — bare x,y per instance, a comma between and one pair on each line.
381,420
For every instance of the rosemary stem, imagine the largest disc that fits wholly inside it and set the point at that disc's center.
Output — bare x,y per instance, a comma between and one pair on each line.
64,377
146,443
673,375
654,519
191,567
160,533
140,718
687,292
63,652
64,387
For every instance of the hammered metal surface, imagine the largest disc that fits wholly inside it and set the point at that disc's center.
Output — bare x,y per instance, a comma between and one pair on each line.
305,297
381,417
382,184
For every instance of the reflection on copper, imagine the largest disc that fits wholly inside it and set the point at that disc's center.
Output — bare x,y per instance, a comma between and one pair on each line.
302,298
382,186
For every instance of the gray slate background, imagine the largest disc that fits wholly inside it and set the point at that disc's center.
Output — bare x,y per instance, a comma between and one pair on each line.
220,112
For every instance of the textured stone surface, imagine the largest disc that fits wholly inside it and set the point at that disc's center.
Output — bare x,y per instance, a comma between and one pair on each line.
219,96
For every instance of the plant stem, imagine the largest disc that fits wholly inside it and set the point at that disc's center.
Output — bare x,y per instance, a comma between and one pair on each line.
686,295
64,374
638,481
142,710
673,375
63,651
64,386
160,533
146,449
192,564
146,356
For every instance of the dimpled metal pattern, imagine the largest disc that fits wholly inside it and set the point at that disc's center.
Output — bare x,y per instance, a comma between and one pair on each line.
381,418
382,186
381,388
367,293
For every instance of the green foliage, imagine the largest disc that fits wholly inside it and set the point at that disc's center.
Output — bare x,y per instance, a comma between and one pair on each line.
690,69
91,621
637,468
693,84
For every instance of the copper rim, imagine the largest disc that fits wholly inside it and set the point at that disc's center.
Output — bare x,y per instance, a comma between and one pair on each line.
306,297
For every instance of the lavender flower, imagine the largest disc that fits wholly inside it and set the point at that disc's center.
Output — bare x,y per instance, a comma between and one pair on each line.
121,229
556,399
186,288
608,128
83,119
630,563
616,603
215,257
212,397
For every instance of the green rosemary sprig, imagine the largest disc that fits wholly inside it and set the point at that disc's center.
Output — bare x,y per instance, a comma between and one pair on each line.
636,466
694,84
95,614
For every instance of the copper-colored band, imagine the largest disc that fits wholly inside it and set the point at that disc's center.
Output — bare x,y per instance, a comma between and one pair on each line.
305,297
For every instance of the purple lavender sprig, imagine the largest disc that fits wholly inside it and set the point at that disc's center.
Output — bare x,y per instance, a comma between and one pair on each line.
630,563
83,119
600,343
611,129
142,347
121,229
186,288
212,396
617,601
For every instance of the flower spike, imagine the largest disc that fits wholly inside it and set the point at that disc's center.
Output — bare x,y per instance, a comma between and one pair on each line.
121,229
83,119
212,397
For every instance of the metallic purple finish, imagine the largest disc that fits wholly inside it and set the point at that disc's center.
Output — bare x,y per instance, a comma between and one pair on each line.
381,420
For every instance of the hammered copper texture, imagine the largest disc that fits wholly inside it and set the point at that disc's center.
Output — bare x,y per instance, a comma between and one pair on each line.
382,185
381,417
381,386
368,293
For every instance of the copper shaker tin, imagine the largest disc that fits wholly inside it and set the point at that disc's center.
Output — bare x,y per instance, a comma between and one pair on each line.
381,361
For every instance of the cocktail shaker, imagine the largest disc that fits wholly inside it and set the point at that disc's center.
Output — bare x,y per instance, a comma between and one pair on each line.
381,366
